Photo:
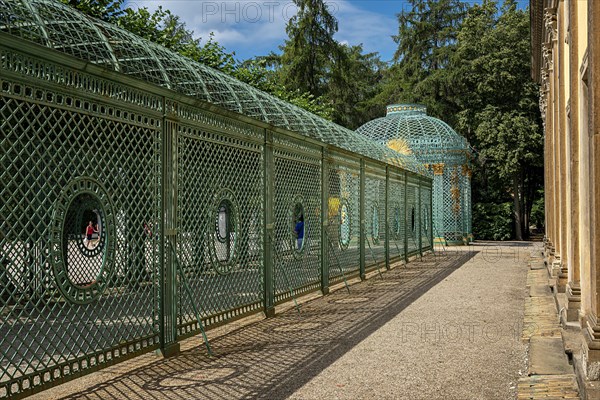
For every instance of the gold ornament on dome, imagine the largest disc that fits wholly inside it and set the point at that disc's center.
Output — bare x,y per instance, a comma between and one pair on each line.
400,146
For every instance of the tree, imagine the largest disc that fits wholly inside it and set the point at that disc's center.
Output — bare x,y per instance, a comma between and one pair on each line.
310,49
259,73
511,142
354,79
166,29
426,40
106,10
498,104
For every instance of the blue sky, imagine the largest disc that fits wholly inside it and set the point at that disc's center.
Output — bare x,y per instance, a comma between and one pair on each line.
257,27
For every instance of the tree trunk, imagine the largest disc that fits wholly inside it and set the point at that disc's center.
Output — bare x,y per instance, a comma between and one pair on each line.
517,208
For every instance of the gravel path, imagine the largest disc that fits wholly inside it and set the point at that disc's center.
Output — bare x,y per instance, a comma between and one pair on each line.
446,327
460,340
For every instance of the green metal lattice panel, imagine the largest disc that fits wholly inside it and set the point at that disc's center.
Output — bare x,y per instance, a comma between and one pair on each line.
467,208
91,148
220,217
234,129
375,201
297,210
453,223
55,25
396,215
425,193
69,303
412,216
344,217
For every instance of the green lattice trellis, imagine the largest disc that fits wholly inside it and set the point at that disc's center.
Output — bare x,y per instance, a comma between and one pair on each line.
52,24
407,128
194,204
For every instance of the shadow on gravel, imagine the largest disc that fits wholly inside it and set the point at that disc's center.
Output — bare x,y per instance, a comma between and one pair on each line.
272,358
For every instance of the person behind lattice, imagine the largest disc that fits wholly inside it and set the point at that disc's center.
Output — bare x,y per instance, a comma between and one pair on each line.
299,230
89,232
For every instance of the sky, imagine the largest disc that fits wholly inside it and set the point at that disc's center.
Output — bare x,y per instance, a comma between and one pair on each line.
256,27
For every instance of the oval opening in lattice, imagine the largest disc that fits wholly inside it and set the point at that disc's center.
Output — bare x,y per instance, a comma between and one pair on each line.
83,235
226,219
345,230
84,239
298,227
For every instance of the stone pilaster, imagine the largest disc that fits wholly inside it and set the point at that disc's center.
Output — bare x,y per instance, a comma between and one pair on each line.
573,291
556,266
563,277
591,327
591,352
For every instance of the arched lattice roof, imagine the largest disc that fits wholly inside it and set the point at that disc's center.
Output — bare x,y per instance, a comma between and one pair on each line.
408,128
57,26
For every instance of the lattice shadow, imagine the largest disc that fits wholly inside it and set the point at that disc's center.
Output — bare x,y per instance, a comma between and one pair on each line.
272,358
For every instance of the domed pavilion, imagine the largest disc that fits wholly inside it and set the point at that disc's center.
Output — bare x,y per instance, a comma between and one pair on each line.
447,155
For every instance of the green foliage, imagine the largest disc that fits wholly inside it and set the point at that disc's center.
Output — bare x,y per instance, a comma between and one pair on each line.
257,73
106,10
163,27
498,102
166,29
310,49
426,42
340,79
537,211
354,79
492,221
509,141
471,67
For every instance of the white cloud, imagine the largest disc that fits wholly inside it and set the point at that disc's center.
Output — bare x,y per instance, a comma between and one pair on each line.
247,27
372,29
257,27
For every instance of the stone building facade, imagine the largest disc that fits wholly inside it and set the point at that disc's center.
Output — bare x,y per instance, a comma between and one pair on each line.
565,42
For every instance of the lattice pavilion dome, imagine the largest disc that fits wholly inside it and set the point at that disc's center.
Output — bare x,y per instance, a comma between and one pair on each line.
408,128
57,26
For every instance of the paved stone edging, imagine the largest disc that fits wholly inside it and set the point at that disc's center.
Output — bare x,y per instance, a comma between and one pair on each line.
542,329
548,387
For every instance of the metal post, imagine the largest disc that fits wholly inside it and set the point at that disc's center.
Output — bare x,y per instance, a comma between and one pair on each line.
168,271
362,233
324,221
431,236
269,225
420,242
387,217
405,217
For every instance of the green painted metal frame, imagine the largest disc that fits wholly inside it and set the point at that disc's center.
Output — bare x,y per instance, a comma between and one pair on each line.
58,84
